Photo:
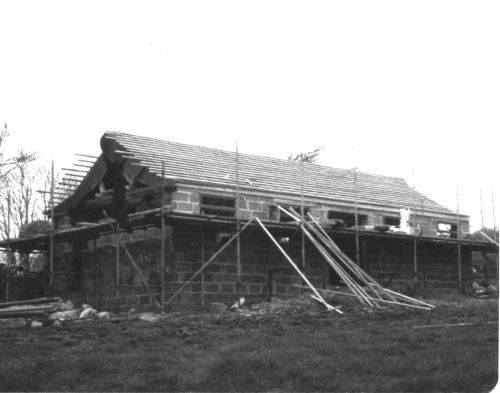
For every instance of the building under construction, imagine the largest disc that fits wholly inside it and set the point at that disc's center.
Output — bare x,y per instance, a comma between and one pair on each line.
132,226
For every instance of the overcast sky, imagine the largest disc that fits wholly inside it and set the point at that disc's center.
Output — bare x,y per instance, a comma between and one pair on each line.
413,85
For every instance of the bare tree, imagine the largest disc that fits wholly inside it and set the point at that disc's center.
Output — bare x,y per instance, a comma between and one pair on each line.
9,164
18,179
20,204
311,156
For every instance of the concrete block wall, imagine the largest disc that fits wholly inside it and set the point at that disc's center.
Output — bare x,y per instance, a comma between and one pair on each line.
184,257
437,265
187,200
254,206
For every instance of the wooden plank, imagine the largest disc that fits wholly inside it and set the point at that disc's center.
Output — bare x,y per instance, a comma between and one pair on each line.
356,289
27,312
375,299
408,298
30,302
86,161
162,246
73,170
365,277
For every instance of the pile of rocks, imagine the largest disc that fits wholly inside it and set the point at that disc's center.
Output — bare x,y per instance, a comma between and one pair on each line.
68,312
45,311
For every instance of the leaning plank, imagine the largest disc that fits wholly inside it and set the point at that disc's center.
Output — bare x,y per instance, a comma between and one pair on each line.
489,238
408,298
328,306
27,312
376,299
353,286
337,251
356,289
206,263
349,265
325,239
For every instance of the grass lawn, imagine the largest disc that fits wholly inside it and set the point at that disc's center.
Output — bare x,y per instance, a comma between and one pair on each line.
358,351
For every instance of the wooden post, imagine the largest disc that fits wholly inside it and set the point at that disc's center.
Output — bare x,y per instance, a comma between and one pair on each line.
117,278
202,259
237,212
356,223
495,228
51,245
302,238
459,249
162,245
96,273
415,255
356,215
422,218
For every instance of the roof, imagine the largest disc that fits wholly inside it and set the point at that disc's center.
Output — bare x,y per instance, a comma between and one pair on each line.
192,163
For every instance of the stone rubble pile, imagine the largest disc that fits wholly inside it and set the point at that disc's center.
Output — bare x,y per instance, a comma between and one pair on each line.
45,311
294,305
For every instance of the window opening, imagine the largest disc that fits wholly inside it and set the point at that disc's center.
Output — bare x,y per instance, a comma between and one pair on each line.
392,221
447,230
346,220
217,205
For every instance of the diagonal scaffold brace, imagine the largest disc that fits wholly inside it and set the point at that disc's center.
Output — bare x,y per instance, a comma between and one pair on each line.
169,300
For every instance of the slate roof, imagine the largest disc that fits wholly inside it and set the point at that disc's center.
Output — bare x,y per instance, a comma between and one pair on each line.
189,163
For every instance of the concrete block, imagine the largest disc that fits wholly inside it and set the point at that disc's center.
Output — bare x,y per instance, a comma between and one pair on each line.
258,279
255,288
214,288
186,207
227,288
256,206
181,196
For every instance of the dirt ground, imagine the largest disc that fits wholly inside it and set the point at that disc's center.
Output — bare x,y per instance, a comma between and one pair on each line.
286,345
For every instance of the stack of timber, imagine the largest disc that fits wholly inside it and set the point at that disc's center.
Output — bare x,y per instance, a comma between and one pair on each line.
29,308
366,289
